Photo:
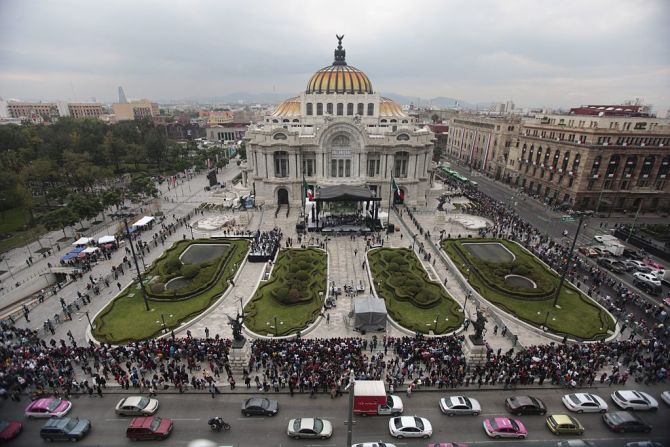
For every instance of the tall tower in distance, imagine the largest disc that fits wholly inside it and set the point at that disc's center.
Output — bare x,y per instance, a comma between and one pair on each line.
122,96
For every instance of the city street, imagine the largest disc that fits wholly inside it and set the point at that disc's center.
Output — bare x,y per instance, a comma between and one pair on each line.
191,412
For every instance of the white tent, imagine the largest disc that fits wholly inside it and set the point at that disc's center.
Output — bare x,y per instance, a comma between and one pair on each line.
143,222
106,240
90,250
82,241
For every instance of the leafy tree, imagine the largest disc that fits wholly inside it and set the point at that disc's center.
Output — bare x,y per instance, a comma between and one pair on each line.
60,218
435,118
143,186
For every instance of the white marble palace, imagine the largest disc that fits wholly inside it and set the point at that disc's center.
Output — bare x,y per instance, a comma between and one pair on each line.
339,131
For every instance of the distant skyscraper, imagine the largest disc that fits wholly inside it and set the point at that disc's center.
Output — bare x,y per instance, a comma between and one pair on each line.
122,96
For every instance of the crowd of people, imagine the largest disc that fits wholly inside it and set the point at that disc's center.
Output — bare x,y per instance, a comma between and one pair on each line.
264,244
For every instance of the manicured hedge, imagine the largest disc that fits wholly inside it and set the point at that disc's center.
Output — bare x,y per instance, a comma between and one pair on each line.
578,316
294,293
412,299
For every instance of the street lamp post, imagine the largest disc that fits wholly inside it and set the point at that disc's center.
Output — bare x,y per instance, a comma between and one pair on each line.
163,322
89,319
137,267
632,226
190,227
437,317
350,419
582,216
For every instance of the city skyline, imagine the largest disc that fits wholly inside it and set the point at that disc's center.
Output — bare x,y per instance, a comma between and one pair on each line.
534,53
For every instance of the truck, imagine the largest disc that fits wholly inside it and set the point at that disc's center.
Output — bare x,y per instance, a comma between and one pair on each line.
370,398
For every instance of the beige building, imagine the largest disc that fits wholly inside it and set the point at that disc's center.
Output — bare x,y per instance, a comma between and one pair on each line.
594,158
85,110
132,110
482,142
33,111
338,131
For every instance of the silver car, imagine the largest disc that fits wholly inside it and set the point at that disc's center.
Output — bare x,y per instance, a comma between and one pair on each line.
309,428
455,405
136,406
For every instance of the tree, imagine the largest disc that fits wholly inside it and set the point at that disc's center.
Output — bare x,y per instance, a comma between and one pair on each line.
43,173
59,219
84,207
437,153
113,149
435,118
242,151
143,186
155,145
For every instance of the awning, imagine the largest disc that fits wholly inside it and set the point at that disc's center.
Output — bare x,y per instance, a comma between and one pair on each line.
143,222
82,241
73,254
344,193
90,250
106,240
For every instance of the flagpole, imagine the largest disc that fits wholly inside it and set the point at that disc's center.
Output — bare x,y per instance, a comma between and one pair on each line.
388,218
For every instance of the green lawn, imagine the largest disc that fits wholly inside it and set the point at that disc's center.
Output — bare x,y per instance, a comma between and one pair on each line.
412,299
578,317
13,220
13,224
291,295
126,318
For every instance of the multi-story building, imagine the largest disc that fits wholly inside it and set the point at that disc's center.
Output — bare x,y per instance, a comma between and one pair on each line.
214,117
596,157
84,110
339,131
482,142
33,111
227,132
132,110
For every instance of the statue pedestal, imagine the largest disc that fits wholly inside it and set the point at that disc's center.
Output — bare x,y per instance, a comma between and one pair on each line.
239,353
475,350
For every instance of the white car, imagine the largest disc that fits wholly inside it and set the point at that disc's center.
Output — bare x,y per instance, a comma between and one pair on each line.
309,428
410,427
634,400
453,405
665,395
373,444
648,278
584,403
136,406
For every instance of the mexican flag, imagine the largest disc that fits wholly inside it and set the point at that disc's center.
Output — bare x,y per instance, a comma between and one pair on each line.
394,186
308,191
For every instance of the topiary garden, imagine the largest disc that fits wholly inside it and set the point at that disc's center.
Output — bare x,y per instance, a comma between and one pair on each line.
577,316
412,299
293,295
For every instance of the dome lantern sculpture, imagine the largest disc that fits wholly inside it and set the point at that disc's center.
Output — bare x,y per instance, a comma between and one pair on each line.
339,77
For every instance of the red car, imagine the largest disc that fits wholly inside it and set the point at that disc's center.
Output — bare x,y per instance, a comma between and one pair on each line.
149,428
505,428
9,430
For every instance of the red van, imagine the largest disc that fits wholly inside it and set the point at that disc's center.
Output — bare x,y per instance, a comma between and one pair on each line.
149,428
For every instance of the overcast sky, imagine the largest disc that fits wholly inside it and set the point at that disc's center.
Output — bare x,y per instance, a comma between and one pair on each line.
535,52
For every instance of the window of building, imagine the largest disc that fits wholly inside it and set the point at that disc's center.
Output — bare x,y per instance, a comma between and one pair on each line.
340,109
538,156
628,169
607,184
570,182
309,108
575,163
374,164
329,108
596,165
400,164
625,185
663,170
281,164
350,109
319,109
309,164
589,185
347,168
612,166
647,166
361,109
371,108
557,155
566,159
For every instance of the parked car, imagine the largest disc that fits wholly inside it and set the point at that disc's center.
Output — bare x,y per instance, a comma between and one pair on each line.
564,424
644,444
655,265
647,281
635,265
136,406
309,428
9,430
589,252
149,428
260,406
505,428
447,444
612,265
625,421
634,400
574,443
410,427
665,396
373,444
457,405
633,254
584,403
48,407
519,405
65,429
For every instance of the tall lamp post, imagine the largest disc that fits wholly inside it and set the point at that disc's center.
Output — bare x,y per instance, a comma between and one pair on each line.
137,267
582,216
350,419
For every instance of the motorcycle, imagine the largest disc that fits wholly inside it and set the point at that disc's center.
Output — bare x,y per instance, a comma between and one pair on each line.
217,423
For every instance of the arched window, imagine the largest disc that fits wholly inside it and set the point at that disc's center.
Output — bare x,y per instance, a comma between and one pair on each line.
309,108
340,109
557,155
279,136
319,109
566,159
371,108
596,165
613,165
530,154
400,164
350,109
663,169
647,166
538,157
361,109
402,137
575,162
631,162
329,108
281,164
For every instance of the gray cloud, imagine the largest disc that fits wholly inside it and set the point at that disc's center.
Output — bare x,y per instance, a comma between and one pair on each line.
535,52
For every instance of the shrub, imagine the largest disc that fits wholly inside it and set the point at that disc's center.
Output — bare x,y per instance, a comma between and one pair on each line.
190,271
158,287
171,266
302,276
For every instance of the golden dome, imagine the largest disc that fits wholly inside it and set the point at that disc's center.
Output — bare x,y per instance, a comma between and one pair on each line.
289,107
339,77
388,107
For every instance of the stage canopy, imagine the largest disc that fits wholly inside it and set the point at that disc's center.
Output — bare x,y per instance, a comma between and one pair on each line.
345,193
369,314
